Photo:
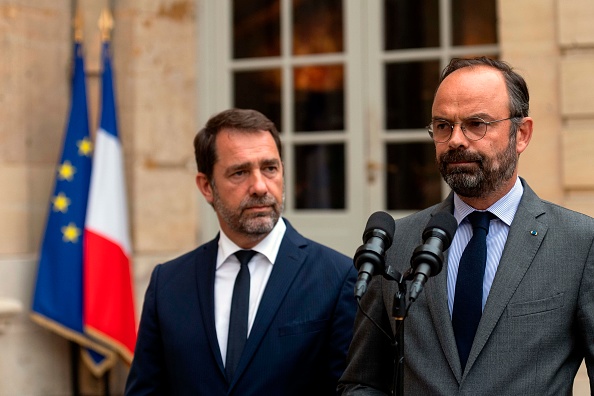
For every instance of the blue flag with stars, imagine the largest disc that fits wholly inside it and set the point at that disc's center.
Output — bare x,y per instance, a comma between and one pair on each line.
58,297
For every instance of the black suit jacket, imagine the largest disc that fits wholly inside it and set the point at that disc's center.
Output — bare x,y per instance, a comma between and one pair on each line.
298,342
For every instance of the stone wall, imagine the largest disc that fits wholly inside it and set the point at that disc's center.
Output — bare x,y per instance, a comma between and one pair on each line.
576,42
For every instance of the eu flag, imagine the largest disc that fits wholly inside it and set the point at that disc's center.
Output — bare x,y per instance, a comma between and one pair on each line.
58,297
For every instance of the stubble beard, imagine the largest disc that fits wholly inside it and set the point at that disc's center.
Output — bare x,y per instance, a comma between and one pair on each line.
251,225
491,174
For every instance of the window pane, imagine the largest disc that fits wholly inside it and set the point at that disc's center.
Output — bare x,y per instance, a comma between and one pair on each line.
256,28
409,93
259,90
319,176
317,26
412,181
319,98
411,24
474,22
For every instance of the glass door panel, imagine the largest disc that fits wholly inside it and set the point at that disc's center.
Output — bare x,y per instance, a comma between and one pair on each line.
319,98
256,28
413,181
319,176
411,24
409,94
474,22
317,27
261,90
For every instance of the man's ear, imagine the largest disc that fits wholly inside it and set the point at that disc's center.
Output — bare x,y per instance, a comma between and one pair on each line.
524,134
204,186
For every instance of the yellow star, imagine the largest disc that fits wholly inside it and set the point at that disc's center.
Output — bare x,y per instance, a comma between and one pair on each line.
70,233
61,203
66,171
85,147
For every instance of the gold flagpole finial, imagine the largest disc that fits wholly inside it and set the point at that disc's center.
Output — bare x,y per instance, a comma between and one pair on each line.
105,25
77,24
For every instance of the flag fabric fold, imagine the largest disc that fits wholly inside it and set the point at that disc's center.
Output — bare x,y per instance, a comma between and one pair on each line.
109,313
58,294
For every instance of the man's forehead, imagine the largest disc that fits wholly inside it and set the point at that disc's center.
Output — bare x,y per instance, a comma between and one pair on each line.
240,131
482,73
242,147
481,86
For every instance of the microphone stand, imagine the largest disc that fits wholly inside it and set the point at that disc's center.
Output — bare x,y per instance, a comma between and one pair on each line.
426,260
399,314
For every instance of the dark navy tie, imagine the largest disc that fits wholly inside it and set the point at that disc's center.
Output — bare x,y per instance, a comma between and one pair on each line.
238,320
468,300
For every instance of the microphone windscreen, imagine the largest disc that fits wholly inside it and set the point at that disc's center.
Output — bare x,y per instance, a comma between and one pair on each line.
380,221
446,222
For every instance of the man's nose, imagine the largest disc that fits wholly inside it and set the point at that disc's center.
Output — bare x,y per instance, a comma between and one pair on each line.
258,184
457,138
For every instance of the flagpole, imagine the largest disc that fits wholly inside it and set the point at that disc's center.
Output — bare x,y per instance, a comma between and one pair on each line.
74,370
77,24
105,27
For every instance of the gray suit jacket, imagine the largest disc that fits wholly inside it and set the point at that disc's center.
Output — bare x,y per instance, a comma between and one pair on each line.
537,325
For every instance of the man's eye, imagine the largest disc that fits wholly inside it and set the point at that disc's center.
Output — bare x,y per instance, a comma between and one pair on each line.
474,124
440,125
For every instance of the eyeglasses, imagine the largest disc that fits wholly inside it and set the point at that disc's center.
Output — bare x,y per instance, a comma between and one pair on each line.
474,128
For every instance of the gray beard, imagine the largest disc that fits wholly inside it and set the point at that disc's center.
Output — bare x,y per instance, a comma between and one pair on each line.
253,226
485,180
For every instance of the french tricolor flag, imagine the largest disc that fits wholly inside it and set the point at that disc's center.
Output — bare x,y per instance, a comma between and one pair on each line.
109,313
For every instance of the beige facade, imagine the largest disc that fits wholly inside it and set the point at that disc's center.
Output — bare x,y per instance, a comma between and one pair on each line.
551,42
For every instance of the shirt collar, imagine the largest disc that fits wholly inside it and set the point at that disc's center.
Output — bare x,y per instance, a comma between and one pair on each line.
505,208
268,246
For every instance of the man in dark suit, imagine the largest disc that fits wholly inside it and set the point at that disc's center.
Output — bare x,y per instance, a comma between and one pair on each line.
300,311
535,295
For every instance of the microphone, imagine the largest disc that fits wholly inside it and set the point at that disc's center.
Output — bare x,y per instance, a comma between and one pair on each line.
427,259
369,257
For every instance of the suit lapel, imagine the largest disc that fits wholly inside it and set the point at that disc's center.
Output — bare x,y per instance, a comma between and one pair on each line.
524,239
205,278
437,301
290,259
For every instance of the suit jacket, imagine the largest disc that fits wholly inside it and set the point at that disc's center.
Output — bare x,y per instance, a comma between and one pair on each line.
537,324
298,342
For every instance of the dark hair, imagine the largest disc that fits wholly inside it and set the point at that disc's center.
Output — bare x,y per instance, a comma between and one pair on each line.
242,120
516,86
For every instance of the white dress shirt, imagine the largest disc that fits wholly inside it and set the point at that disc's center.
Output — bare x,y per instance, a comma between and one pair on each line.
505,210
227,268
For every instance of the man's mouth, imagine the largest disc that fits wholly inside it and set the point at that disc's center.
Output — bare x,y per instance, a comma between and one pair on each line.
462,162
258,209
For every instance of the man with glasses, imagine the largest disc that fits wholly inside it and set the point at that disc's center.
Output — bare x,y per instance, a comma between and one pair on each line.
512,311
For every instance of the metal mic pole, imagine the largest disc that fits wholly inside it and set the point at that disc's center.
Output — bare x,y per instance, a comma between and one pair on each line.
399,314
